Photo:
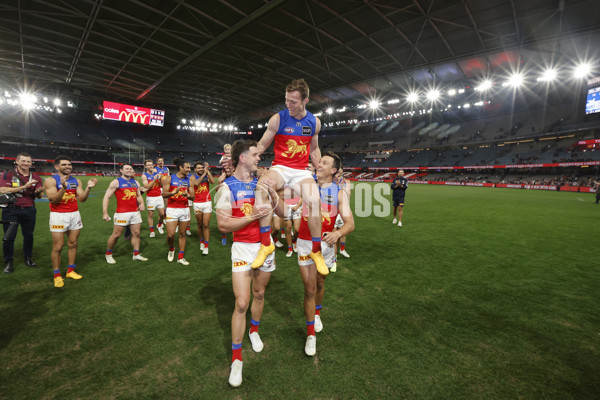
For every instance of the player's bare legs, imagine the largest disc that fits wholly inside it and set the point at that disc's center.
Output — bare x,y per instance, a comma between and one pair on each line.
309,190
273,180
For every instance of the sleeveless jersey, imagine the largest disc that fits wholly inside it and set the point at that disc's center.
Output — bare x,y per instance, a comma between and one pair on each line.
292,140
329,211
126,195
242,202
178,200
201,190
154,190
69,199
164,171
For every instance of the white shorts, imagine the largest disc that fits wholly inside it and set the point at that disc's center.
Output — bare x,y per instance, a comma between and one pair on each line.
154,202
177,214
291,176
291,215
190,203
204,207
305,247
127,218
243,254
339,222
63,222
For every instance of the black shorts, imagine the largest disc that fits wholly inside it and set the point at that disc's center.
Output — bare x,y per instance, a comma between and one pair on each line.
398,201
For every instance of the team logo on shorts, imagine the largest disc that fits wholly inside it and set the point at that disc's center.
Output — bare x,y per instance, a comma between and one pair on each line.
58,227
303,258
239,264
120,221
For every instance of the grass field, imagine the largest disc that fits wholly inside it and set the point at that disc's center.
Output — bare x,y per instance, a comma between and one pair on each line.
483,294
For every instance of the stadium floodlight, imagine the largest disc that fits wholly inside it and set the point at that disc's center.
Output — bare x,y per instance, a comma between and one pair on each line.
582,70
485,85
515,80
28,101
374,104
461,91
451,92
183,121
548,76
57,102
329,110
433,94
412,97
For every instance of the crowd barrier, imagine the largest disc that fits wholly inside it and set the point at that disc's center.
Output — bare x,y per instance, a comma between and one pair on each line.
564,188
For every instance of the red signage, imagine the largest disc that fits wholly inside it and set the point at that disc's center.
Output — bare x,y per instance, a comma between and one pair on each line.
135,114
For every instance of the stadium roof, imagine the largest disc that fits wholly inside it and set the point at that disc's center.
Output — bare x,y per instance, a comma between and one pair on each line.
232,59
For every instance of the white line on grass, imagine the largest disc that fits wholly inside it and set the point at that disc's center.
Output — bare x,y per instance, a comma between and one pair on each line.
580,199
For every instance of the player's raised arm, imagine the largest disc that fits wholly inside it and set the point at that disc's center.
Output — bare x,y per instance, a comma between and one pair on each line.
82,194
211,178
52,193
269,134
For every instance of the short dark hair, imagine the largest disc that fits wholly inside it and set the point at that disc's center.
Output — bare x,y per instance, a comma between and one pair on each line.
198,162
337,161
179,163
124,164
147,160
62,158
239,147
23,155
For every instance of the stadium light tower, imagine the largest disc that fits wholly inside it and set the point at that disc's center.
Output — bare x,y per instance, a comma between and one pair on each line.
329,110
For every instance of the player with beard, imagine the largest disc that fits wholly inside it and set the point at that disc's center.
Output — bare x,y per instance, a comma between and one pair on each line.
64,193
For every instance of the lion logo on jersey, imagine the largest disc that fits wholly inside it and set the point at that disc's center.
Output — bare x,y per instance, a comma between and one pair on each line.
68,197
246,209
294,148
201,189
129,194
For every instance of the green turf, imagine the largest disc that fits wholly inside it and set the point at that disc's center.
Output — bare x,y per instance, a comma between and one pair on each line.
483,294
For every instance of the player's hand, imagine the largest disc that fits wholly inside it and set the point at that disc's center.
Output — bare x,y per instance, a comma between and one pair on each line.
92,182
141,207
206,166
261,210
331,238
39,189
106,217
